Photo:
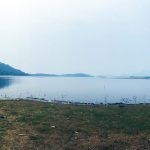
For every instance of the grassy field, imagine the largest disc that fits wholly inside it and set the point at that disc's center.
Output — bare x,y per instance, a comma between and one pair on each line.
28,125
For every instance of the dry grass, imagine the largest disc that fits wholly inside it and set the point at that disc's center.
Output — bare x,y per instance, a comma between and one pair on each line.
28,125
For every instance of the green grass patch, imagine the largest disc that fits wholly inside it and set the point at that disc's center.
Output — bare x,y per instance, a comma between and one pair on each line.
73,126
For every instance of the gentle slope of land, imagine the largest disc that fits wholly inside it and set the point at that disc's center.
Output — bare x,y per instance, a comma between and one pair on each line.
28,125
8,70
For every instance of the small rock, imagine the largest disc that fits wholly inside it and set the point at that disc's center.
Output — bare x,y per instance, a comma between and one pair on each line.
2,117
76,132
21,134
148,141
53,127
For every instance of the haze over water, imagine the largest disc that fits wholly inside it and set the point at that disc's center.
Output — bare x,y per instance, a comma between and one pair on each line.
93,90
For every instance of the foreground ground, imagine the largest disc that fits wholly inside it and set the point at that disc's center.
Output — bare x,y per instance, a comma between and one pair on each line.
28,125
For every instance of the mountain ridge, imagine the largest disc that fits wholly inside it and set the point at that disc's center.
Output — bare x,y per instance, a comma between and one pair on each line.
6,69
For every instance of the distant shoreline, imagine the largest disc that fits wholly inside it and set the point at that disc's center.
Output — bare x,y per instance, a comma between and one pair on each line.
79,76
119,104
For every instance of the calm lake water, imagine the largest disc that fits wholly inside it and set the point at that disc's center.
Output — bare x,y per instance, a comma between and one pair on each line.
94,90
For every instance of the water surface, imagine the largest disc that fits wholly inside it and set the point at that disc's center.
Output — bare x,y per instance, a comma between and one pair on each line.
95,90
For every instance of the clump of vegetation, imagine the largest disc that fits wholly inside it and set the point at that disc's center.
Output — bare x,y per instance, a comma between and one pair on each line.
47,126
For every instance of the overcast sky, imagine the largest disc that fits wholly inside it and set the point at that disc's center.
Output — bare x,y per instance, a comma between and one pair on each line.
99,37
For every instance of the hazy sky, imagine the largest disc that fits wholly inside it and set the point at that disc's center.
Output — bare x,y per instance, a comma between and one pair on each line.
67,36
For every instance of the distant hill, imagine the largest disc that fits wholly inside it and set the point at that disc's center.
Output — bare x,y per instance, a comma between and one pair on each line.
44,75
129,77
144,73
8,70
63,75
103,77
76,75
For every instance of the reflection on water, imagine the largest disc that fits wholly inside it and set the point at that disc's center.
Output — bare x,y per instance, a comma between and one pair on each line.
93,90
5,82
